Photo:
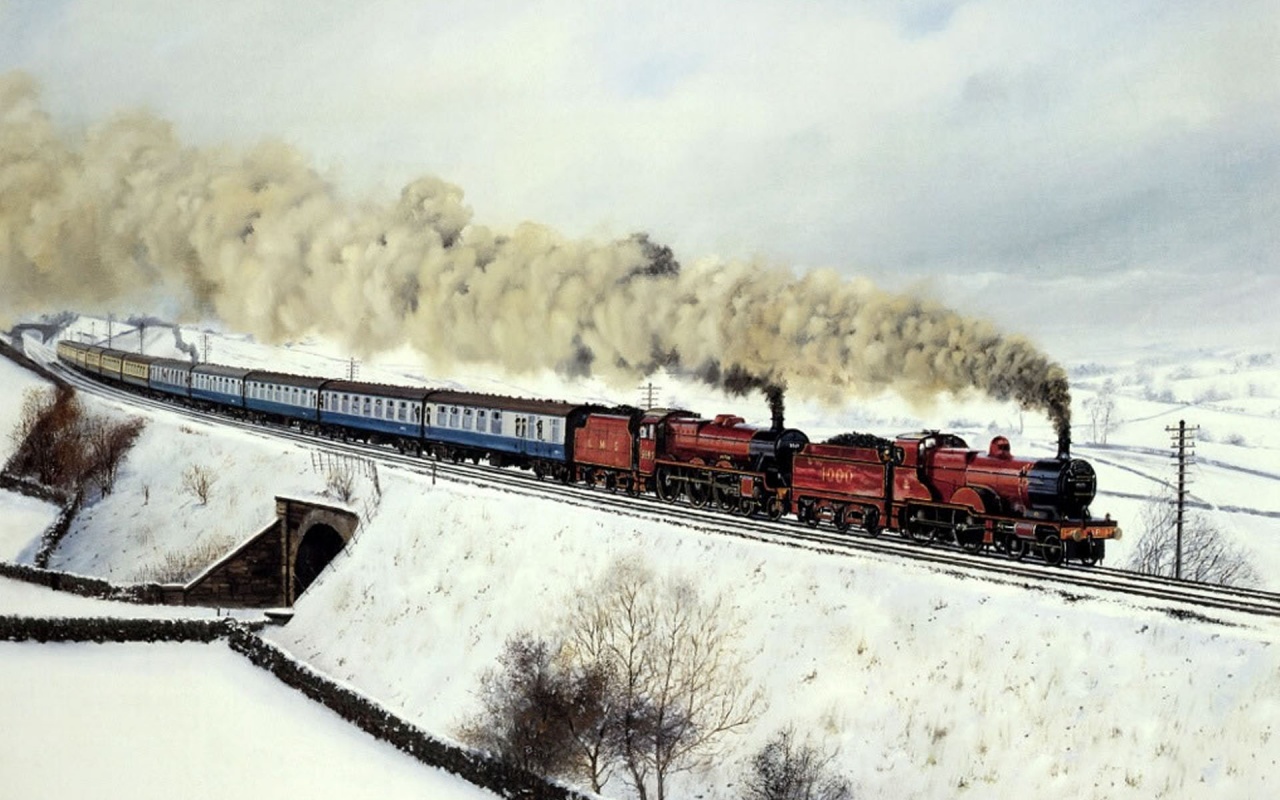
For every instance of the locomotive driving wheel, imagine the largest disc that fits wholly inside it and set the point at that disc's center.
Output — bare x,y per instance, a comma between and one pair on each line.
724,497
1053,549
667,486
1017,548
699,490
774,508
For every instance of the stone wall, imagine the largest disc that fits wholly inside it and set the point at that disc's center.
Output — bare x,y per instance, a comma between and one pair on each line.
248,577
88,587
475,767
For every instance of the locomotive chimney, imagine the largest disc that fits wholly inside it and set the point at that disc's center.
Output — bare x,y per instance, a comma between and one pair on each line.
774,394
1064,444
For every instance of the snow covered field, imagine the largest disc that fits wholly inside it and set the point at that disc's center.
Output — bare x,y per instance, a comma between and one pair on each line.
191,721
929,685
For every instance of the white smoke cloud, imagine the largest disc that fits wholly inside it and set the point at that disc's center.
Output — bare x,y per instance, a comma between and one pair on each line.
131,216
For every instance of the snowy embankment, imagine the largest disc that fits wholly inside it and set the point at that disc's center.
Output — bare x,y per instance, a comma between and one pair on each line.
22,518
928,684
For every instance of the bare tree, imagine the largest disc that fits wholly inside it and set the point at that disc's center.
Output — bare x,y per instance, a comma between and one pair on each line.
646,682
1207,555
677,681
48,438
787,769
108,441
1101,408
199,481
525,708
63,446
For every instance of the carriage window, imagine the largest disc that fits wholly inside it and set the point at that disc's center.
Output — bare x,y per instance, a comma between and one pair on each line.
466,419
400,411
346,403
417,413
540,430
440,416
367,405
377,408
555,430
496,425
454,417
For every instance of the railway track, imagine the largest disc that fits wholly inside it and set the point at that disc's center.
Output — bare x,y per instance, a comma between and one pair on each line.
1178,598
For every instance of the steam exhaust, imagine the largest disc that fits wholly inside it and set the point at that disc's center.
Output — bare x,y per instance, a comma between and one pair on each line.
129,216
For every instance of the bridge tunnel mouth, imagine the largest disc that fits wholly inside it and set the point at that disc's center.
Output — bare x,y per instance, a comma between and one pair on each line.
319,546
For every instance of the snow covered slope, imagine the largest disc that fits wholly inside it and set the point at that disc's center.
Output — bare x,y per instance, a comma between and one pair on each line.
929,685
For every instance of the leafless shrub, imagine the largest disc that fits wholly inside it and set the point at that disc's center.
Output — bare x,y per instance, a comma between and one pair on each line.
646,682
108,441
534,709
788,769
62,446
198,480
47,438
1207,555
341,481
678,682
181,566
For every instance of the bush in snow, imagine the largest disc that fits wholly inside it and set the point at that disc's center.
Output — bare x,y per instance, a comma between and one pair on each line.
645,682
64,447
539,714
788,769
341,482
108,442
1207,556
182,566
198,480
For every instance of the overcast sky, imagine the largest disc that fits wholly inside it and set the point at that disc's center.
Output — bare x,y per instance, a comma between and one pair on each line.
979,144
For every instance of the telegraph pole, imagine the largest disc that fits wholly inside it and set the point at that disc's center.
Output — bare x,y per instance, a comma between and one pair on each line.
1184,442
353,368
204,340
649,395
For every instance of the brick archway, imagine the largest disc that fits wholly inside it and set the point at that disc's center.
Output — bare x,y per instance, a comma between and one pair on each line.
313,535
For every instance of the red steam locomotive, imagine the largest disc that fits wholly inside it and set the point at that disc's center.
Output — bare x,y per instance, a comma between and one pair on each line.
928,486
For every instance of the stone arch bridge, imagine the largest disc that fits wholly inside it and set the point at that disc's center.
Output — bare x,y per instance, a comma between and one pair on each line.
277,565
